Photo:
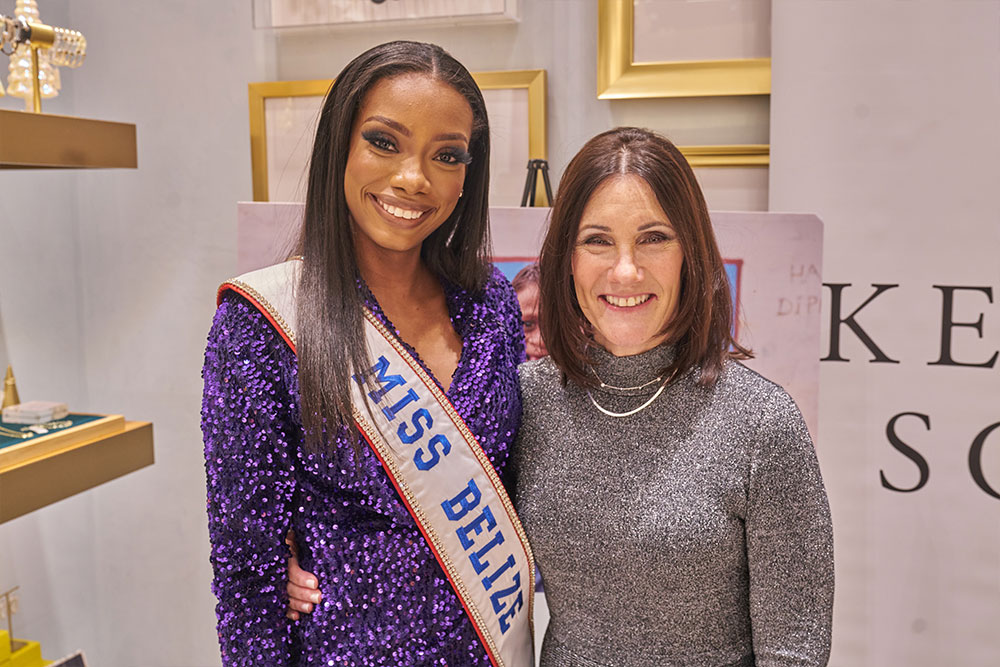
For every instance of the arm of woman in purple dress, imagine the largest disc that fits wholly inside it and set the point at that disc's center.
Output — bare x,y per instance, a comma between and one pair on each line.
248,438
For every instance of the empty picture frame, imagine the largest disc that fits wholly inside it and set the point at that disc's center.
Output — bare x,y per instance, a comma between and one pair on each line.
283,116
647,48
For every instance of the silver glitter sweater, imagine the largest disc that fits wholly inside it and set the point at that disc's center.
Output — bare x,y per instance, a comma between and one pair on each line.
695,532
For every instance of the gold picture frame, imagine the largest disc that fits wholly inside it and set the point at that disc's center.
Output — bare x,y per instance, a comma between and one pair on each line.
734,155
533,81
258,94
618,77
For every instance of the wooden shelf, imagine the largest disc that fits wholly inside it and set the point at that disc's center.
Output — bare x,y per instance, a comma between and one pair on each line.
62,472
50,141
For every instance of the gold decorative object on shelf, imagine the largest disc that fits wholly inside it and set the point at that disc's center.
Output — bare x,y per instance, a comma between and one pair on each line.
16,652
10,396
7,610
21,76
35,49
34,140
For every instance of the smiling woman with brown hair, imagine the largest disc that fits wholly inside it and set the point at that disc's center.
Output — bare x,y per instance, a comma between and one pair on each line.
671,495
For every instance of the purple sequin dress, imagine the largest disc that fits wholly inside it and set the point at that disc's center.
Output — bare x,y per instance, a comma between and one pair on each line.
386,600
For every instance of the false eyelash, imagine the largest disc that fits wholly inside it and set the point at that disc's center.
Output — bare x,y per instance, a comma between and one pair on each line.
462,157
375,137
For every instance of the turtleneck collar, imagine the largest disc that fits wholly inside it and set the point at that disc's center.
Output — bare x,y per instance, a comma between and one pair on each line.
634,370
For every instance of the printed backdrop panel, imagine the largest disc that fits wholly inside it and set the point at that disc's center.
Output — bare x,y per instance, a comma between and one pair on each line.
909,441
773,259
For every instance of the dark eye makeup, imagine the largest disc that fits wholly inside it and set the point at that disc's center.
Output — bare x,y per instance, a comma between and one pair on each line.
385,142
379,140
454,156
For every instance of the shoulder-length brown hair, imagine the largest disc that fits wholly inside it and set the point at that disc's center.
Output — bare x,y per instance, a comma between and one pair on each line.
701,328
331,341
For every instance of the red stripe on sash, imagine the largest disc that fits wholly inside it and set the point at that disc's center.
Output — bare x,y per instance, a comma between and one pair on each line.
260,308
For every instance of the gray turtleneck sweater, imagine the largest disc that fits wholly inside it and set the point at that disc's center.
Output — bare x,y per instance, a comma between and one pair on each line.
695,532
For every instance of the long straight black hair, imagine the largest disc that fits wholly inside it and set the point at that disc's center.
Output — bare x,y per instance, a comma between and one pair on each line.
331,342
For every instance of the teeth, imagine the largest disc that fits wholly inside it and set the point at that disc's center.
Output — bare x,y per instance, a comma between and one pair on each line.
404,213
627,303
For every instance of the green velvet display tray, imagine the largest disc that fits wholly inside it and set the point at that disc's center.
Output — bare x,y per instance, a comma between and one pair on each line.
75,419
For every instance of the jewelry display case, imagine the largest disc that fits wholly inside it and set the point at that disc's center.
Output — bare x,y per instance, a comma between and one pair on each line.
38,465
41,470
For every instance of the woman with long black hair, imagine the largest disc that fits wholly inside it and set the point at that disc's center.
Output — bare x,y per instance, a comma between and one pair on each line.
364,395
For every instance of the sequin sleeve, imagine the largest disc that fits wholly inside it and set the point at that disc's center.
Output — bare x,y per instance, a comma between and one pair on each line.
250,484
789,543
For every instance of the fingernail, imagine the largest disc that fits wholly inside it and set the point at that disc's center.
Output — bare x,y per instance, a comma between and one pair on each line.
307,607
310,583
314,597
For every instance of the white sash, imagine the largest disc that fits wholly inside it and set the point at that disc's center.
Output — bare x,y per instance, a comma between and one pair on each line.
441,473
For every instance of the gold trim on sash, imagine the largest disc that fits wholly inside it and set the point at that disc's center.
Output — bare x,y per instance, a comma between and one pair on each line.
263,303
378,442
463,428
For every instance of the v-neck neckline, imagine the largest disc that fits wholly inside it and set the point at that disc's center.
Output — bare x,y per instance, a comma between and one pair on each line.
452,294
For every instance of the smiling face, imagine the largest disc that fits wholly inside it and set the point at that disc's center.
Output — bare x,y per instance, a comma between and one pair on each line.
406,165
627,266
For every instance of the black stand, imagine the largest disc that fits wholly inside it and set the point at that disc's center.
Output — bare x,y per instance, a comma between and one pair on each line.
535,166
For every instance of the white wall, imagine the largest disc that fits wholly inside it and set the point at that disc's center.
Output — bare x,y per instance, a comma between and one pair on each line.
886,123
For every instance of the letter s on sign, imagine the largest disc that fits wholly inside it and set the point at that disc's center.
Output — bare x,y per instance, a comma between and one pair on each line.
907,451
